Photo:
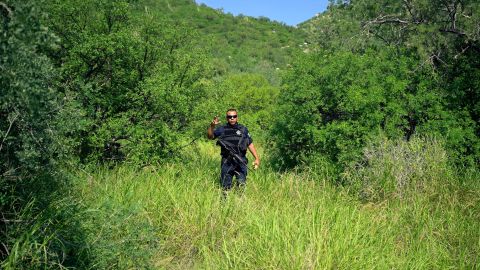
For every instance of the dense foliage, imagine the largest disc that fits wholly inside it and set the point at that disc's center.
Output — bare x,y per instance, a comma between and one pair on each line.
33,232
28,97
136,80
383,69
332,104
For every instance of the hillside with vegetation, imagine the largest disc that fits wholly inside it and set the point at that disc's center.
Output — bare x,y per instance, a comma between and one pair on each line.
235,43
366,118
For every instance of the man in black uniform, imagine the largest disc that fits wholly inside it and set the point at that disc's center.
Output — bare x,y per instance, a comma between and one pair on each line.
234,141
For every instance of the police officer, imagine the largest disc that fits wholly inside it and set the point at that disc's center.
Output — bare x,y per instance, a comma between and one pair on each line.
233,138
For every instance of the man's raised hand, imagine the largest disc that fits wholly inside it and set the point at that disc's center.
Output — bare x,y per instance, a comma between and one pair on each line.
215,121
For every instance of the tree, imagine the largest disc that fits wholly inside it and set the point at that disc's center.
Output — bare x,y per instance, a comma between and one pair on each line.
135,74
331,105
30,144
28,98
442,37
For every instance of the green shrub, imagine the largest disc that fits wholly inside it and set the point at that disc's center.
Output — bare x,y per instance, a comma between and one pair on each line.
35,222
333,104
135,76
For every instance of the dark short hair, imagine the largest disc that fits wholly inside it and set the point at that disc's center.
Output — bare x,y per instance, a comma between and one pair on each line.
231,110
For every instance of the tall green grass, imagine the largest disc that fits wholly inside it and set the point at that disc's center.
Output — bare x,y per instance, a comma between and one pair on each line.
173,216
47,238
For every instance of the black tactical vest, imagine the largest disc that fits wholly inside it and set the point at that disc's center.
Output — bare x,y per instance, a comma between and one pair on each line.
236,138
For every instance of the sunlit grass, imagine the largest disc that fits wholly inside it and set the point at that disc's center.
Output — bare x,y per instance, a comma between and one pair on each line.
173,216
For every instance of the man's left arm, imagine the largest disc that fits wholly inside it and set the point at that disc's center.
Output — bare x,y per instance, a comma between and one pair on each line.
252,150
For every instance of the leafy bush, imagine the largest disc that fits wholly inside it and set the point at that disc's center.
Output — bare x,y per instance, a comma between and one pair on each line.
332,104
137,78
448,42
28,98
32,232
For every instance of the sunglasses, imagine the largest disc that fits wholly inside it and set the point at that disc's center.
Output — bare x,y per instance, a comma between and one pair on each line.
231,116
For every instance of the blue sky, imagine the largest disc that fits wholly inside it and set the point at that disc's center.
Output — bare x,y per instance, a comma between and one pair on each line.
290,12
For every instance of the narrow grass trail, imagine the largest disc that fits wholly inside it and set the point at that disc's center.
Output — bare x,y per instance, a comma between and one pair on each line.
172,216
